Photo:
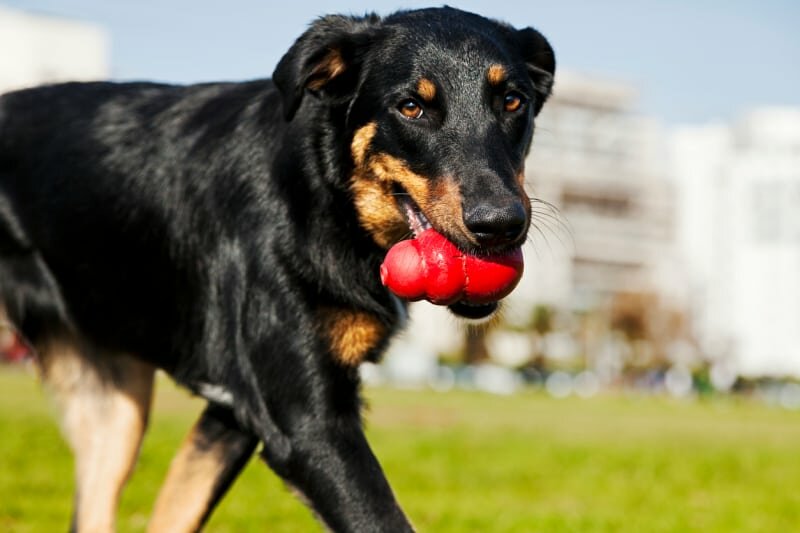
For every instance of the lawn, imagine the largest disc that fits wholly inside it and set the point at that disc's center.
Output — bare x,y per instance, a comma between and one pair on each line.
463,462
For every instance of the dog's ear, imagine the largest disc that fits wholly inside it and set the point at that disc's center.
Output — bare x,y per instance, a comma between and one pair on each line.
324,61
541,62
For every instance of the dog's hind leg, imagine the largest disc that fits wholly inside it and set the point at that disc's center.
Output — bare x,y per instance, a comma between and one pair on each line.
104,401
211,457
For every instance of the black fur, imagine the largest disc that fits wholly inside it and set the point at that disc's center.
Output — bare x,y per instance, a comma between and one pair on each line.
202,227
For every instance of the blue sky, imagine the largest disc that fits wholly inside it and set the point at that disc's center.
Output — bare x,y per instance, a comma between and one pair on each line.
693,61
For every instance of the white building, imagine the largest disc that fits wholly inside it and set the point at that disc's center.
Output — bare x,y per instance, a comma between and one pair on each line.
36,49
739,229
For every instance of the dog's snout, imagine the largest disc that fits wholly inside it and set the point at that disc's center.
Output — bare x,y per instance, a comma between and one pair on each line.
494,225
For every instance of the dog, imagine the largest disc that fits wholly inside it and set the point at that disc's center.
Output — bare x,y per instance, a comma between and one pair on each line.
231,235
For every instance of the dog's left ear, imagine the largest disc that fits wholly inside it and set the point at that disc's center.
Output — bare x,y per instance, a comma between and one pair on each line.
324,61
541,62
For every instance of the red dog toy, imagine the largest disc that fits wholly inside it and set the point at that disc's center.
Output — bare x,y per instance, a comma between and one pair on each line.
13,348
430,267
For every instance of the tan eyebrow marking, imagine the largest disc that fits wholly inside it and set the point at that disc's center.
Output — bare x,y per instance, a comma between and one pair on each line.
496,74
426,89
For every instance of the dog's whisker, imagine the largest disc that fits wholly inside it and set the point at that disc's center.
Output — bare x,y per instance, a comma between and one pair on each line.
546,224
544,237
530,238
556,224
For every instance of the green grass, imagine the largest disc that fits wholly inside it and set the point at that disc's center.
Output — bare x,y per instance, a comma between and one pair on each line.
462,462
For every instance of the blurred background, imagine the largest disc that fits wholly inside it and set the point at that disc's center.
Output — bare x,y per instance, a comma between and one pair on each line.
642,377
665,252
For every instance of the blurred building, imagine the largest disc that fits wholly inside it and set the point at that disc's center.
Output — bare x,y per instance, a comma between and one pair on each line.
39,49
739,231
603,167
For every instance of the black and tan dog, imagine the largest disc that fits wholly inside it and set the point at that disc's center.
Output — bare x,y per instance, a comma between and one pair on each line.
231,234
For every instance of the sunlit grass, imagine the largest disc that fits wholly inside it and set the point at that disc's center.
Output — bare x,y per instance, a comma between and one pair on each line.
463,462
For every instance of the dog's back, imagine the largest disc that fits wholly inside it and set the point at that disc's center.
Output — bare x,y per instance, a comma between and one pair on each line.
107,185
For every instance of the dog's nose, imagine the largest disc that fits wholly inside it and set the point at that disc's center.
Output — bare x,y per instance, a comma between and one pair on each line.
496,225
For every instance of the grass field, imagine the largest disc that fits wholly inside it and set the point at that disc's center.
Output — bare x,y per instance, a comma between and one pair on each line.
463,462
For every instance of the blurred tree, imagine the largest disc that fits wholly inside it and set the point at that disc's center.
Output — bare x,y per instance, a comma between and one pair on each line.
541,322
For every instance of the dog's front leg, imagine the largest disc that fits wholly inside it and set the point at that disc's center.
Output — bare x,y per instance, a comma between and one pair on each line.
331,465
324,454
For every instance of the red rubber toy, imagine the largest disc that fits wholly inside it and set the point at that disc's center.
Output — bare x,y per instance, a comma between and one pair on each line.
431,268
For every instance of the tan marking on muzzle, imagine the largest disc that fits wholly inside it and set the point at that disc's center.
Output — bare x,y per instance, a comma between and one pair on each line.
521,180
523,193
361,142
374,196
444,204
371,184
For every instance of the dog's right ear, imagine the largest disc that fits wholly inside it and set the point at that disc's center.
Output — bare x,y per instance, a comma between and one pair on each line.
324,61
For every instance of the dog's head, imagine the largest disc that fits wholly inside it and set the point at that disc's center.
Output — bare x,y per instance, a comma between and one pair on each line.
438,107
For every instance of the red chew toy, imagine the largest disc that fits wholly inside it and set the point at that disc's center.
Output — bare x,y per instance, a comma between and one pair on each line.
12,348
430,267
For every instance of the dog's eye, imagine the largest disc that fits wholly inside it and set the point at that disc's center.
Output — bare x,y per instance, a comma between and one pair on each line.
410,108
512,102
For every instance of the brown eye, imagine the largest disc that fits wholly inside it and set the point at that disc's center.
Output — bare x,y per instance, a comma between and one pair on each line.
512,102
410,109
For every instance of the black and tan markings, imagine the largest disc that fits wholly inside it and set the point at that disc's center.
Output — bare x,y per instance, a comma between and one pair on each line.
375,206
103,402
210,458
496,75
351,334
426,89
331,66
373,185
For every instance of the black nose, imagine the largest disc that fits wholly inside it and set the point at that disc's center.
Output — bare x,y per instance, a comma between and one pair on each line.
496,225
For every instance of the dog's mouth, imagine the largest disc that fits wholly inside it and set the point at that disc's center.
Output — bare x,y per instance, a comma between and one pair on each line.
416,219
476,312
431,267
